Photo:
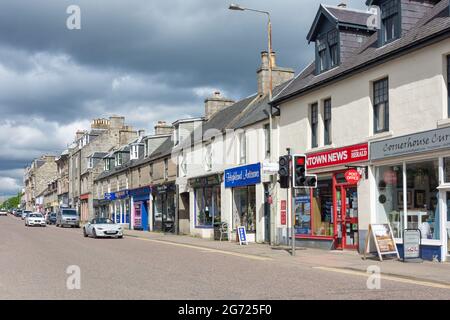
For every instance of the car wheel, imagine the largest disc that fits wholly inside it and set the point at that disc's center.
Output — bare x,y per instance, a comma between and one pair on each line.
85,233
94,233
120,237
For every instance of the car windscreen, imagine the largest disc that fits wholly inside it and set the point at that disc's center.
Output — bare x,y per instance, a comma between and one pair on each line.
35,215
69,212
103,221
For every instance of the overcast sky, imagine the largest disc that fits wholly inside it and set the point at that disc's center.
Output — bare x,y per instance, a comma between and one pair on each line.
147,60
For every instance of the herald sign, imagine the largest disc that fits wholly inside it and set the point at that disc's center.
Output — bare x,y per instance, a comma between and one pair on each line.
338,156
352,176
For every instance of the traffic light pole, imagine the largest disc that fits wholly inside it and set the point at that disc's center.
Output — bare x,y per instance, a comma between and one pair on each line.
291,211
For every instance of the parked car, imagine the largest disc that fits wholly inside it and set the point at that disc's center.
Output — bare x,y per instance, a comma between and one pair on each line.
18,213
67,217
25,213
35,219
103,227
51,218
3,213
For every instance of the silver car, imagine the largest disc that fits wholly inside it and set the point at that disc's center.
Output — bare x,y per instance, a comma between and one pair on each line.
67,217
35,219
25,214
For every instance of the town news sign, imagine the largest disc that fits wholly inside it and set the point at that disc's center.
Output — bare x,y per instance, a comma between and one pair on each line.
338,156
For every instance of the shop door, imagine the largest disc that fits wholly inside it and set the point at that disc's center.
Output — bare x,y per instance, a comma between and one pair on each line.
347,217
144,216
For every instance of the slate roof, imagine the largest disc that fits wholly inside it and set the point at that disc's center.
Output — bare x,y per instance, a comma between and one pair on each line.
98,155
435,24
163,150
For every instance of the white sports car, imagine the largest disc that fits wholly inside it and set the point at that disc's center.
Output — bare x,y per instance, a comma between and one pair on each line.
102,227
35,219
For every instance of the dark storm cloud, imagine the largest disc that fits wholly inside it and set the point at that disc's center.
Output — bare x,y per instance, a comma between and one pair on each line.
145,59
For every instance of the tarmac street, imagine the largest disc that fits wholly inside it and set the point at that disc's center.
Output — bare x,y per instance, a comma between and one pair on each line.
44,263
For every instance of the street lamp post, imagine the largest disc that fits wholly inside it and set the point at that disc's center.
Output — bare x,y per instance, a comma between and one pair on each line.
237,7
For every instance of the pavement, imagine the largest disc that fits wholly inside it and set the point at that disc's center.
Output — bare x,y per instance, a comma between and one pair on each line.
426,271
45,263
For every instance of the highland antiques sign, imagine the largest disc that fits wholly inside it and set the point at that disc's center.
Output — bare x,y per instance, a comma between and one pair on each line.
413,143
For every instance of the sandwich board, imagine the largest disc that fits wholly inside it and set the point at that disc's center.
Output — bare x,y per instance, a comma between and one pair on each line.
383,238
242,236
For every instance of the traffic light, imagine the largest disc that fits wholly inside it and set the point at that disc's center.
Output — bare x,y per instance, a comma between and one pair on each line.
299,174
284,171
300,177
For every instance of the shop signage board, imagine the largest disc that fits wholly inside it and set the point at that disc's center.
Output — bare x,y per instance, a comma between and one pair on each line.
270,167
205,181
283,212
411,144
243,176
242,235
110,196
412,240
339,156
352,176
383,238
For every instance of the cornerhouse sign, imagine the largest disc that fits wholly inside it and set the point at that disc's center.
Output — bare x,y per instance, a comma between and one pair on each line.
413,143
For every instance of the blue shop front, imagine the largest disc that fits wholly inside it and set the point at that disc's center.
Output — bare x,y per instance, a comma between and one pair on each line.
119,206
243,185
140,201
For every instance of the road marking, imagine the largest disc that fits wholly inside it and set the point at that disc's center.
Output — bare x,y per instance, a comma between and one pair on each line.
387,277
242,255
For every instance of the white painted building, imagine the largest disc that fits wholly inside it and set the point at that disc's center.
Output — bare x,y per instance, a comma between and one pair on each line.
358,95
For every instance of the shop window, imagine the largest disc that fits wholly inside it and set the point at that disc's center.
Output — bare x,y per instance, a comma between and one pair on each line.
314,124
158,207
322,208
303,213
327,121
447,170
244,208
389,204
423,208
207,206
381,105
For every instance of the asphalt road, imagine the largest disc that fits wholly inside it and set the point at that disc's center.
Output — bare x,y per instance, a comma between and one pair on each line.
34,261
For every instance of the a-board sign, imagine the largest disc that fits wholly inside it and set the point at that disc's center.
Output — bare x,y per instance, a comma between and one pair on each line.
242,235
383,238
412,239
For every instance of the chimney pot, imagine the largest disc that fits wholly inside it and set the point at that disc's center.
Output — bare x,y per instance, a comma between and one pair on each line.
342,5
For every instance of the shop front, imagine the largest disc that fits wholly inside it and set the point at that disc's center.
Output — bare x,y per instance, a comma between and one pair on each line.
119,206
243,181
101,208
329,216
412,175
140,200
84,207
205,207
164,206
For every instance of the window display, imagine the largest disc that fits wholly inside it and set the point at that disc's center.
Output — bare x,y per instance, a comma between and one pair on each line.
207,206
389,198
303,214
244,208
322,208
421,206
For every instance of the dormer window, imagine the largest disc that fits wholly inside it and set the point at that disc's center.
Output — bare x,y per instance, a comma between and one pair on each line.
334,48
119,159
322,55
390,21
90,163
107,165
134,152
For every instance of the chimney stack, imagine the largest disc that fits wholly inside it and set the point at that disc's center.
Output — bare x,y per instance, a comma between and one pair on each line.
100,124
279,75
163,128
216,103
117,122
141,133
79,134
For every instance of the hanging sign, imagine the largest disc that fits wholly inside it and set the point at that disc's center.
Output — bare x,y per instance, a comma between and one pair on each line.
352,176
242,236
412,239
383,238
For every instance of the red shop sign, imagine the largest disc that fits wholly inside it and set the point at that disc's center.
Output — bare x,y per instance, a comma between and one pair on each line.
338,156
352,176
283,212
